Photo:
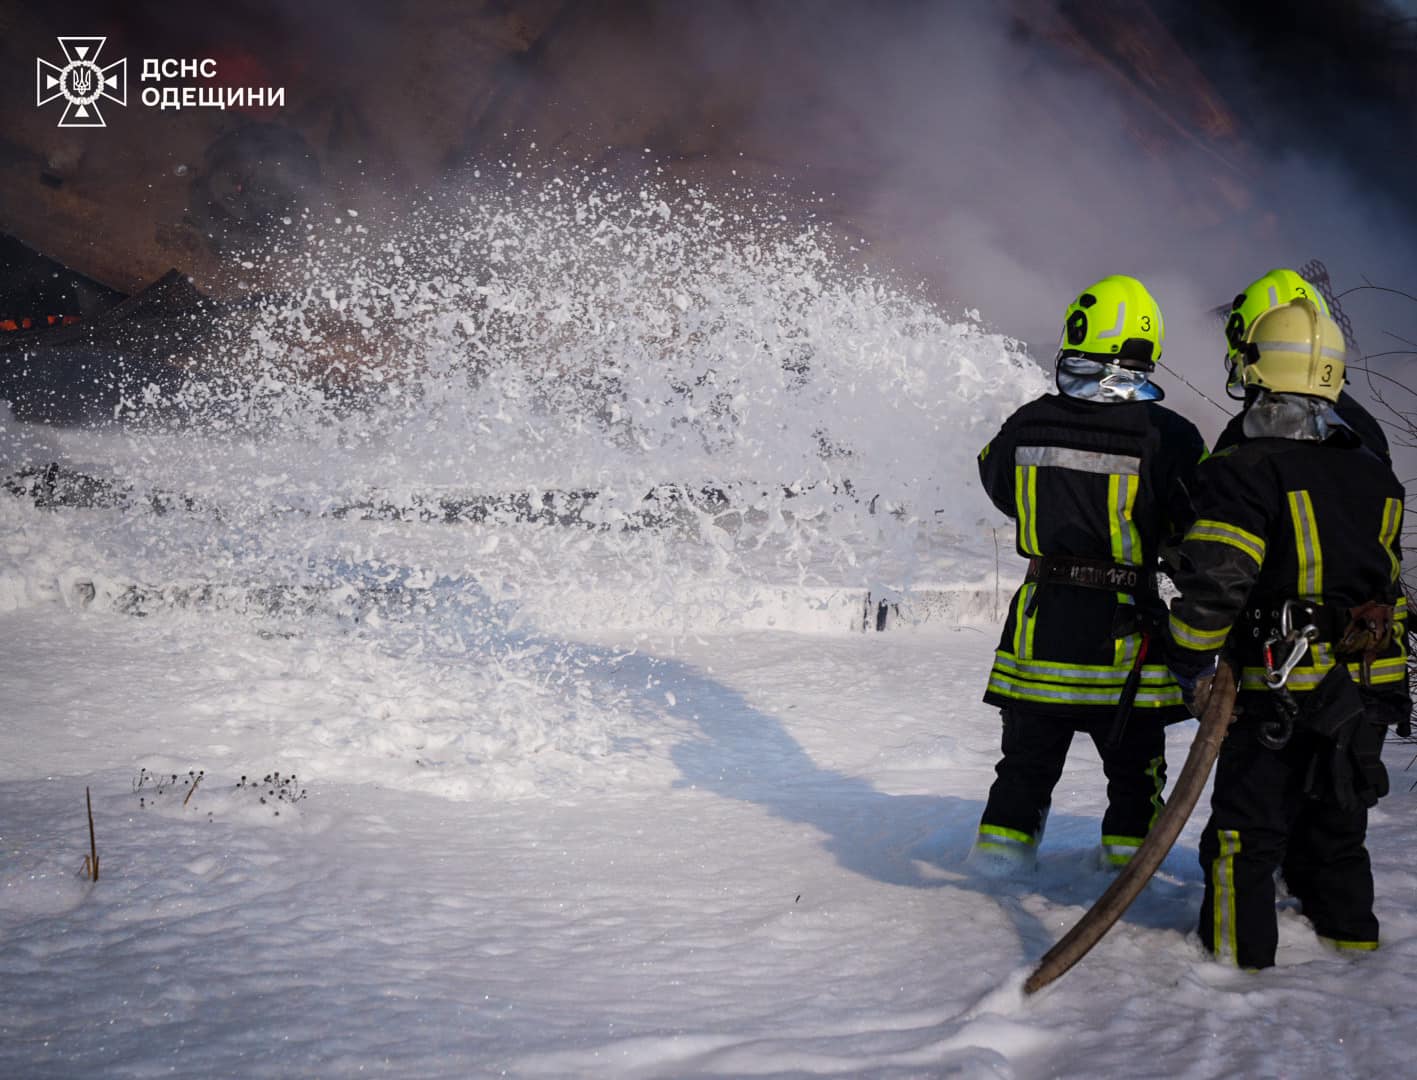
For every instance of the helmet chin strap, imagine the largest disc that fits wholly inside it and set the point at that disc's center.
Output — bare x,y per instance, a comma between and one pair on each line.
1234,380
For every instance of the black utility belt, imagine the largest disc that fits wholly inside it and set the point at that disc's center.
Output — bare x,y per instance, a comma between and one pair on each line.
1259,622
1366,629
1090,574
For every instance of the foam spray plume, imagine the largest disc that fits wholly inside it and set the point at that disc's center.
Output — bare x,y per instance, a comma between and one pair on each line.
690,384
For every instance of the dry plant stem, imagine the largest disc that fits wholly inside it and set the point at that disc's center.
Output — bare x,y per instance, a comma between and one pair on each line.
191,789
1108,908
93,844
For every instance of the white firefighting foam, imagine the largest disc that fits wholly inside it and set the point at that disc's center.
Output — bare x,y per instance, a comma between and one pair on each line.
701,387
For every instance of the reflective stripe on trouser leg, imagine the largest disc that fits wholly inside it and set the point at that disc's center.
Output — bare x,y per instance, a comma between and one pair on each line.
1136,774
1349,946
1006,841
1118,850
1222,881
1035,748
1157,771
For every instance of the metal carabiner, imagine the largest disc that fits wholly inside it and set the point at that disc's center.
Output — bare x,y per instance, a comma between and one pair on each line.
1298,642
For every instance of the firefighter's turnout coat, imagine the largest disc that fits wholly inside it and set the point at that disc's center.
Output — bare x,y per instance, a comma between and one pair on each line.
1280,519
1090,480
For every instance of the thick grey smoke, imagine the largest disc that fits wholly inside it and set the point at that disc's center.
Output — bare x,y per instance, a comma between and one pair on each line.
1011,165
1004,154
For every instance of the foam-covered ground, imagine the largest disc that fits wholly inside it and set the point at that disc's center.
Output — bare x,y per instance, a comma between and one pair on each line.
734,856
629,795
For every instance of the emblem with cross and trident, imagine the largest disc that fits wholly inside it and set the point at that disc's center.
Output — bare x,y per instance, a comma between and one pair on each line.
81,82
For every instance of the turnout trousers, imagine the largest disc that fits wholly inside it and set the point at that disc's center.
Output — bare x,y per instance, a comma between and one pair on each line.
1035,748
1262,821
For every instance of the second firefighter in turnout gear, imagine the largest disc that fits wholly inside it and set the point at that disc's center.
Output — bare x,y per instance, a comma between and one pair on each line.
1293,567
1095,478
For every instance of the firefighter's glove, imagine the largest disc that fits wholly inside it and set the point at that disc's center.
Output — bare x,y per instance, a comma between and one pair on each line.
1196,688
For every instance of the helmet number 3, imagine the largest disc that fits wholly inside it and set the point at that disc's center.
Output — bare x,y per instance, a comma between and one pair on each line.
1146,322
1328,375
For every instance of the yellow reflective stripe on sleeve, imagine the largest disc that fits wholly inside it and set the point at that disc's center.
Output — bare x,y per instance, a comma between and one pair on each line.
985,452
1222,880
1306,545
1222,532
1392,525
1026,496
1200,640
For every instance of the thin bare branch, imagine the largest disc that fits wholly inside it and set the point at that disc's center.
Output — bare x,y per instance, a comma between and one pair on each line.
1368,285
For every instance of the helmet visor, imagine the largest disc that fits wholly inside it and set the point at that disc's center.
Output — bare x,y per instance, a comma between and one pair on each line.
1092,380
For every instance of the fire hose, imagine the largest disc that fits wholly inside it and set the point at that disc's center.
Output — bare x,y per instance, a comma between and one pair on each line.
1125,888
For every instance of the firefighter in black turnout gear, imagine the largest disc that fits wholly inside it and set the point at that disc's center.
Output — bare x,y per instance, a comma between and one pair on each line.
1292,566
1095,477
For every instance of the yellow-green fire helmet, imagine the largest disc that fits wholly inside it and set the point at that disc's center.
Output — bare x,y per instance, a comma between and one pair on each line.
1276,287
1294,349
1115,321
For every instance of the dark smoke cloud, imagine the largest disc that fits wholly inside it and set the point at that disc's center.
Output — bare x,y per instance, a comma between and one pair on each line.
1006,154
1012,171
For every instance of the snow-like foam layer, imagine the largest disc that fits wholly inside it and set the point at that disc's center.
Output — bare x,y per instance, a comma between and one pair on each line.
815,425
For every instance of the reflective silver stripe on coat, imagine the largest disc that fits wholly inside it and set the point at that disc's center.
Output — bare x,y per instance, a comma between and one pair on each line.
1090,461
